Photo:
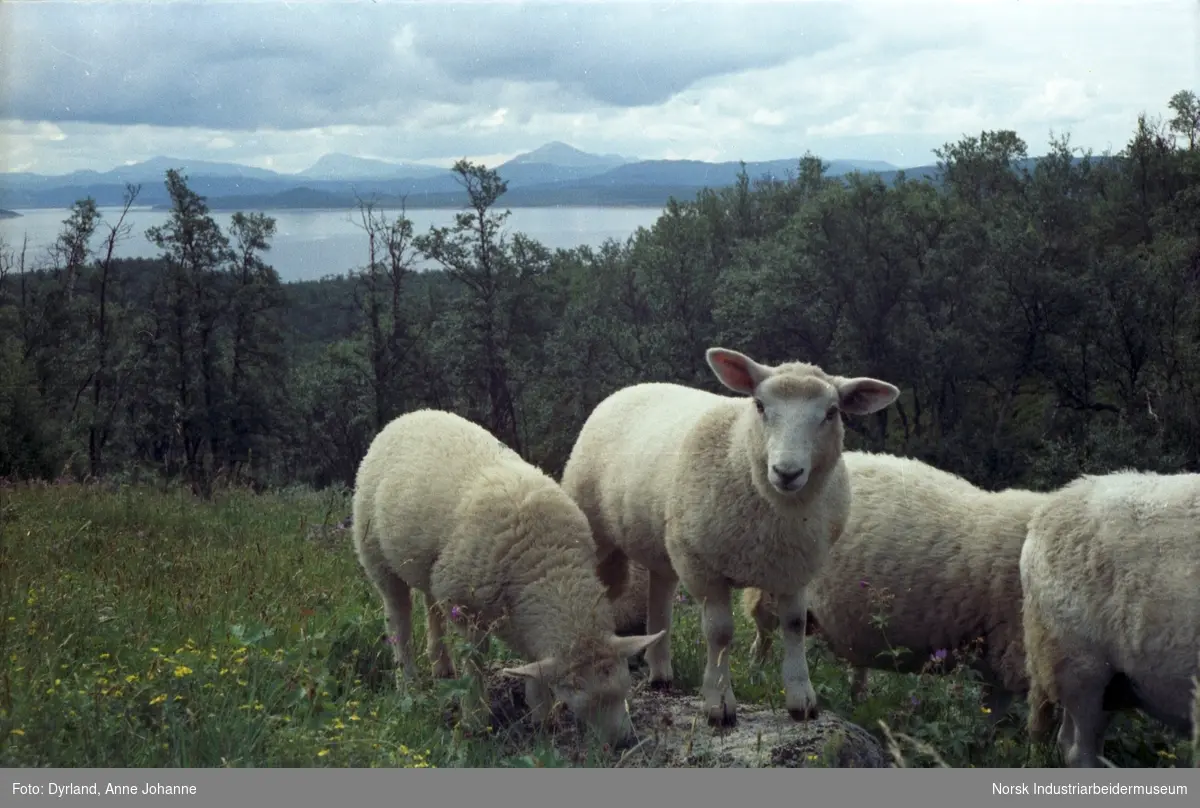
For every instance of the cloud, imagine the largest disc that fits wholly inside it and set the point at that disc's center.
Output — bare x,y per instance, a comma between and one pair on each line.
278,84
297,65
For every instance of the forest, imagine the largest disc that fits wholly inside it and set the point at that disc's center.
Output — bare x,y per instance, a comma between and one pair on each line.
1040,321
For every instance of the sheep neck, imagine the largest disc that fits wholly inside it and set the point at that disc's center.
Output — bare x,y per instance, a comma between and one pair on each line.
561,612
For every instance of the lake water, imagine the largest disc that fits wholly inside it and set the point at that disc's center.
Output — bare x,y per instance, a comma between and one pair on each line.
309,244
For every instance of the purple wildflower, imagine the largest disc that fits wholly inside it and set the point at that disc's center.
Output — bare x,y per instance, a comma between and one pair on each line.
938,655
915,701
455,613
862,584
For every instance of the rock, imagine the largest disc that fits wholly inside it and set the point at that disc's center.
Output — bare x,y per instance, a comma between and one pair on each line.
674,734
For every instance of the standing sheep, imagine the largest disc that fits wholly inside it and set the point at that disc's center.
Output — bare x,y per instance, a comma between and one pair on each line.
1111,578
719,493
442,506
938,559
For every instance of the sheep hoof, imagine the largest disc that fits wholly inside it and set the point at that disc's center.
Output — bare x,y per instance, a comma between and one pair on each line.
722,715
804,713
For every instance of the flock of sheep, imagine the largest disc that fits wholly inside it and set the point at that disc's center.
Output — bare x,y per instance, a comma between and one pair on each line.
1085,599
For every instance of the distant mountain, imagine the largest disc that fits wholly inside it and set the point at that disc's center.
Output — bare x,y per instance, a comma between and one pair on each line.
9,214
347,167
553,174
557,153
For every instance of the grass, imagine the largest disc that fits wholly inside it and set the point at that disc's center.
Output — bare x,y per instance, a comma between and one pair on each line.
142,627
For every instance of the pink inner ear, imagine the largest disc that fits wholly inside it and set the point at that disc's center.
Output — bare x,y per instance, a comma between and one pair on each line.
735,372
862,395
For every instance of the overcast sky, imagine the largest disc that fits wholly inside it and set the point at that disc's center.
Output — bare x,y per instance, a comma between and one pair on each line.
277,84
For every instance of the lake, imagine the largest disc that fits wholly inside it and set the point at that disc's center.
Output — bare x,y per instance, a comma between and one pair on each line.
309,244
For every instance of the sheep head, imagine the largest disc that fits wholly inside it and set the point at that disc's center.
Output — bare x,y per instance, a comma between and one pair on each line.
797,431
594,684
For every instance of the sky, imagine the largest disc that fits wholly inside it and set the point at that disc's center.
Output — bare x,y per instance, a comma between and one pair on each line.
278,83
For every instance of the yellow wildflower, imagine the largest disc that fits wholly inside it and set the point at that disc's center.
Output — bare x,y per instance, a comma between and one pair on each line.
182,671
159,699
18,731
323,753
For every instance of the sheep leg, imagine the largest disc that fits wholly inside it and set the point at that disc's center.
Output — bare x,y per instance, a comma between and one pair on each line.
1066,732
538,698
660,596
799,696
717,687
858,684
435,644
996,700
480,640
397,611
476,706
765,623
612,570
1083,706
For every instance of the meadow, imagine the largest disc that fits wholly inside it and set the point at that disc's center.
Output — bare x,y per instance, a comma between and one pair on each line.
145,627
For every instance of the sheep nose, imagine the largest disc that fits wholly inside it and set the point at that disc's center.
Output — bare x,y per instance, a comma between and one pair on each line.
786,476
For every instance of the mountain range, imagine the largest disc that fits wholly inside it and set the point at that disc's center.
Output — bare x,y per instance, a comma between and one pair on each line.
554,174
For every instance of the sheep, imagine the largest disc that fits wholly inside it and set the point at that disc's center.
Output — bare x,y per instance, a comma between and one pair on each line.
719,492
942,554
444,507
1110,572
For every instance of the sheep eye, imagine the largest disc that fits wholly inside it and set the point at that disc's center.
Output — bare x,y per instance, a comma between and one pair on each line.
833,411
758,405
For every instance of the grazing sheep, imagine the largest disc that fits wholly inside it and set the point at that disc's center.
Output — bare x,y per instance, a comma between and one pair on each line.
720,493
934,556
1111,578
442,506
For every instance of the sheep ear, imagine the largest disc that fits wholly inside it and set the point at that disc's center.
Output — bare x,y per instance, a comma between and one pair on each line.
628,646
543,669
863,395
736,371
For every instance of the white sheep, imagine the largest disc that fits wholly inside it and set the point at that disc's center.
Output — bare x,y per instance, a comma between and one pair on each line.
720,493
1111,576
936,558
442,506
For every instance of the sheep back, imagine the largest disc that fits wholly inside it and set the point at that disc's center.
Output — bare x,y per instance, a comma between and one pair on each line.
451,510
938,558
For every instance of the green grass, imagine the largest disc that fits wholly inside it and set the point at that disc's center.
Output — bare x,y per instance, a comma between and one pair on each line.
141,627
